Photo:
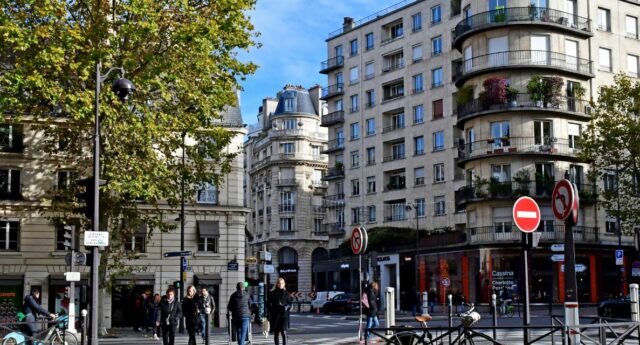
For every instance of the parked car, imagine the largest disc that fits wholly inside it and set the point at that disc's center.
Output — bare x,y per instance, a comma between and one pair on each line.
323,297
343,303
618,308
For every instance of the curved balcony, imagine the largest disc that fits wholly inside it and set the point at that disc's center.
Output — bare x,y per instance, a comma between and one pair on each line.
519,59
497,190
495,147
332,91
332,118
300,156
334,174
510,234
331,64
334,145
524,102
538,16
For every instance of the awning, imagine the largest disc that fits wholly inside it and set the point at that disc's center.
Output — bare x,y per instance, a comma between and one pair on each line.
136,279
208,279
209,228
60,279
11,279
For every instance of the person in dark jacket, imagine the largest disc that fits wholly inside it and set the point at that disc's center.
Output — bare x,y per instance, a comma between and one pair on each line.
372,311
190,313
154,306
170,315
31,309
239,307
206,306
278,305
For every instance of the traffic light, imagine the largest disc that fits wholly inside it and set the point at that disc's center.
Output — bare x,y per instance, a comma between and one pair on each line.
86,195
176,285
69,231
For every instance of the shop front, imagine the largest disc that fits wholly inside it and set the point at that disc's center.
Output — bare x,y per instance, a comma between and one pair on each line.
126,290
290,274
59,295
11,288
212,283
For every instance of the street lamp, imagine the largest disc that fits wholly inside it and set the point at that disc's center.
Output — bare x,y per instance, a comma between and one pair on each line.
122,88
408,207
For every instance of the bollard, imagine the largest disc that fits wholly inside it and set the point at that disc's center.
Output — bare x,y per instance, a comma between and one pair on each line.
83,313
425,303
635,309
494,309
390,310
450,298
206,329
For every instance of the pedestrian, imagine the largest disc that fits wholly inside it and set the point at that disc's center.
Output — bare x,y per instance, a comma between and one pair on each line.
372,311
206,307
190,313
462,300
239,307
170,315
154,306
139,312
414,301
31,309
279,303
505,298
432,298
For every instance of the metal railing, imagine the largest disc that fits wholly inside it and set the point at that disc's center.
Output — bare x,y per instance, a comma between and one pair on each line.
329,64
393,127
318,209
286,181
370,18
332,90
286,208
334,228
529,58
319,184
334,173
394,157
522,15
514,189
332,118
510,233
261,162
334,144
334,200
525,101
518,145
393,67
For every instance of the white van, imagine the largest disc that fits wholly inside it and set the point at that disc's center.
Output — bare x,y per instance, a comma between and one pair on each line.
322,297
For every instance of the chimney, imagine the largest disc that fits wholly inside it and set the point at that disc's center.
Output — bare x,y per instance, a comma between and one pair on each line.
315,92
347,24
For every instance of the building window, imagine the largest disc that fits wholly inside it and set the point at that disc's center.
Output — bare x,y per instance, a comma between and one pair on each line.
317,225
339,105
604,19
287,148
354,47
438,141
397,151
371,213
355,102
355,131
611,225
286,224
439,206
207,193
418,175
370,98
9,234
11,138
604,59
418,144
371,155
396,31
393,62
397,121
632,65
436,15
353,75
289,104
437,106
438,172
355,159
609,181
137,243
369,70
370,40
416,53
416,21
371,184
418,114
371,127
417,83
632,27
10,187
574,131
65,179
355,215
436,77
501,172
436,46
420,205
355,187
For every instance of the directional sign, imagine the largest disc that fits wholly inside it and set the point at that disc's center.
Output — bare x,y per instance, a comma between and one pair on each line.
557,257
358,240
176,254
266,256
558,247
267,269
619,257
96,238
72,276
562,199
526,214
579,268
445,282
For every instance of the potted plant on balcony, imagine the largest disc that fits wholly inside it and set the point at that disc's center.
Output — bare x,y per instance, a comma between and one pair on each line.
464,95
500,15
339,166
512,96
494,92
523,182
536,88
552,91
480,185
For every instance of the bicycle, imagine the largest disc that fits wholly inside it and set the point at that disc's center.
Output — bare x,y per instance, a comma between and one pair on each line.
54,335
508,309
411,337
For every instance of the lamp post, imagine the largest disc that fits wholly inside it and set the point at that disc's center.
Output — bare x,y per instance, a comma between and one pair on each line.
122,88
619,227
182,258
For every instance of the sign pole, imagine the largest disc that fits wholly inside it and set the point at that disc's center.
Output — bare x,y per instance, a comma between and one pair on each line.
525,266
360,296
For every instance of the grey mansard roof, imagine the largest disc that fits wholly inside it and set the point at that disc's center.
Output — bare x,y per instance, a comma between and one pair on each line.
301,104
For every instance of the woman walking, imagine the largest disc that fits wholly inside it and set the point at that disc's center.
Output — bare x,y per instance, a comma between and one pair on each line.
190,312
372,310
154,315
278,305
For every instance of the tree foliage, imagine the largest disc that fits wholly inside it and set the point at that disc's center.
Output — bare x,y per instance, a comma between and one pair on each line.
180,55
611,142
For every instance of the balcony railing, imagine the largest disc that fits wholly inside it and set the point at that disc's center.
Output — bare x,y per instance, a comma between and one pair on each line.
318,209
518,145
333,229
394,157
514,189
394,67
335,200
334,173
286,208
510,233
261,162
334,145
391,97
522,58
332,118
286,181
520,15
319,184
286,232
393,127
332,90
523,101
331,64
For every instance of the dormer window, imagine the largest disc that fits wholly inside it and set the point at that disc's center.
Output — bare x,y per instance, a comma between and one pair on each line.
289,101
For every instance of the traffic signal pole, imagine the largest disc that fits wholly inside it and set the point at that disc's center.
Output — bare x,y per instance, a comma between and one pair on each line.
71,327
95,265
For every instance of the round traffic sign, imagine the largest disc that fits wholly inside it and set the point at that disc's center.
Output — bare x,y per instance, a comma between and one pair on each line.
526,214
359,240
445,282
563,200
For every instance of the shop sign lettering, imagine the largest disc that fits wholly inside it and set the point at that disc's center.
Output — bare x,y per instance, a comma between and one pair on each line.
503,279
7,294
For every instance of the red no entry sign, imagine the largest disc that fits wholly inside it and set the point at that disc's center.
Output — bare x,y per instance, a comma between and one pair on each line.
359,240
526,214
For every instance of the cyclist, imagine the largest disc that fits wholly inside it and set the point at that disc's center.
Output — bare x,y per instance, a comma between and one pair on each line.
31,308
505,298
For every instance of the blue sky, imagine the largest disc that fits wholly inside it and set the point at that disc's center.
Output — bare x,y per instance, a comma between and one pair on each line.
293,34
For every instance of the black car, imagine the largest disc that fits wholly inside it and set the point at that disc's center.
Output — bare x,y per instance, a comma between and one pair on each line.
617,308
343,303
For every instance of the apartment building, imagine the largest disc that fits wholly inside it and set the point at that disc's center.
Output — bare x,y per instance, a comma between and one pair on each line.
459,107
32,248
284,186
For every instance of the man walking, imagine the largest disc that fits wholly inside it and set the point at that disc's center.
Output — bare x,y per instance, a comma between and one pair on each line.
239,307
206,306
170,315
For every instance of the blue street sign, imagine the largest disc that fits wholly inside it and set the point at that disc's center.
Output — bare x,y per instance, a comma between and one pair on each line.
619,257
175,254
184,263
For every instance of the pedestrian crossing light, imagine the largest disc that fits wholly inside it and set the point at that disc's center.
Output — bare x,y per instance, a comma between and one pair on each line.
69,231
176,284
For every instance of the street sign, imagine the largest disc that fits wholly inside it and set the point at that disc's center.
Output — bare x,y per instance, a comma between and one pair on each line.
184,263
72,276
188,269
557,257
358,240
558,247
176,254
232,265
579,268
96,238
445,282
619,257
251,260
562,199
266,256
267,269
526,214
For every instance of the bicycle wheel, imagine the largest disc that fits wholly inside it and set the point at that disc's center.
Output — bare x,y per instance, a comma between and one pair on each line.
466,341
69,339
404,338
509,311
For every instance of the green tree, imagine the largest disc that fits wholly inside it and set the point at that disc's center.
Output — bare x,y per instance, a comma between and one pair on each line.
611,142
181,56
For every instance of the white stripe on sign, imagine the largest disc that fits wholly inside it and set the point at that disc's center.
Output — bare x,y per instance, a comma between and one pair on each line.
526,214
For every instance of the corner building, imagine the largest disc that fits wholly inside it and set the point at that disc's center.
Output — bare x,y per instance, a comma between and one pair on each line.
460,107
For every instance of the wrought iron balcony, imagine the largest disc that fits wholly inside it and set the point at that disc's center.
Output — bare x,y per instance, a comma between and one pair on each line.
394,157
334,145
331,64
334,229
335,200
332,91
334,174
332,118
510,233
286,208
286,182
517,145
